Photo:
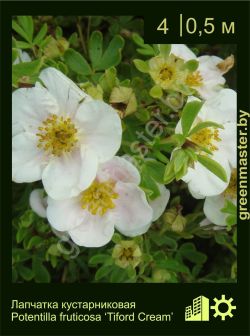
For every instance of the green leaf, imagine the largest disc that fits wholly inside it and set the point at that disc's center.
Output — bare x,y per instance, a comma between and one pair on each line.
41,273
229,208
149,185
41,34
26,69
118,275
99,259
108,80
20,31
131,272
138,39
162,240
169,174
161,157
189,114
23,45
164,49
58,32
14,54
191,65
21,234
95,48
25,272
116,238
155,169
172,265
191,153
222,239
112,55
73,39
213,166
180,158
231,220
27,218
53,250
26,22
195,257
156,91
35,242
146,51
20,255
203,125
140,65
176,140
76,62
102,272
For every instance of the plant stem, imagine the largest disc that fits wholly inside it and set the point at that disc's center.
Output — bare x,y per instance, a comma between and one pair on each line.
79,28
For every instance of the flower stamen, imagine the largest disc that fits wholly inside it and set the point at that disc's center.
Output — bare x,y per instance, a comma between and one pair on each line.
57,135
194,79
207,137
98,198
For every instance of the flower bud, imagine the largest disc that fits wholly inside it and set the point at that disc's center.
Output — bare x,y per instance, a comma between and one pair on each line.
160,275
123,99
126,253
56,48
173,220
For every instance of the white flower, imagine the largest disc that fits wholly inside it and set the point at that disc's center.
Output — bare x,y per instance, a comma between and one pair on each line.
213,205
22,57
222,109
208,78
59,135
114,200
182,51
38,202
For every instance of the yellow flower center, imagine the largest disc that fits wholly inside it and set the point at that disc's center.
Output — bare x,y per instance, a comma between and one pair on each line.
207,137
127,253
166,73
194,79
98,198
57,135
232,187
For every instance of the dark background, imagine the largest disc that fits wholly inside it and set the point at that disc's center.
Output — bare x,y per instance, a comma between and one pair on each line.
150,298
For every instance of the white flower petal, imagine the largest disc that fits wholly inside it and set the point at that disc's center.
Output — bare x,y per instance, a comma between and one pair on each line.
228,143
22,57
209,63
212,77
205,222
221,107
95,232
67,94
101,127
132,211
68,175
212,209
30,107
159,204
38,202
182,51
66,214
27,159
118,169
203,182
